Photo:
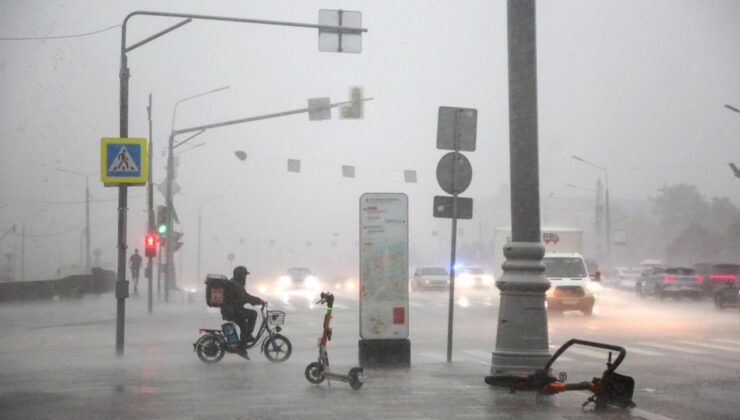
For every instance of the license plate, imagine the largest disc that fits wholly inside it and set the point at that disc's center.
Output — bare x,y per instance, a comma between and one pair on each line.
570,301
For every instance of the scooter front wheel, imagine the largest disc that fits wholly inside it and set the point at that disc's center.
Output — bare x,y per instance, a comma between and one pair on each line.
210,349
355,378
315,373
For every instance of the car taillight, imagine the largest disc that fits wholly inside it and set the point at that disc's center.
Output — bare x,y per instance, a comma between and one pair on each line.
723,277
698,278
669,277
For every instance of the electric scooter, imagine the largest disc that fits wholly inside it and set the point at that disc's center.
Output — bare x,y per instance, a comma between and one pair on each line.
611,391
316,372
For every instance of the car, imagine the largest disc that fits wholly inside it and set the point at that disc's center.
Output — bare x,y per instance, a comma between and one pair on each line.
571,287
624,276
298,278
426,278
717,276
727,296
473,277
676,282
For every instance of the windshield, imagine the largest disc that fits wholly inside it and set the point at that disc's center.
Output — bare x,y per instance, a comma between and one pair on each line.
299,272
564,267
434,271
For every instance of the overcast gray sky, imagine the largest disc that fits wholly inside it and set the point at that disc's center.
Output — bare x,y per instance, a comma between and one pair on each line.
635,86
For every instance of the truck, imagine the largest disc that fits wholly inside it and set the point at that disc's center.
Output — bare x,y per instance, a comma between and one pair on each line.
555,239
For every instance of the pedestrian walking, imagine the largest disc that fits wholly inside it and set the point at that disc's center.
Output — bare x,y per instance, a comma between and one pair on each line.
135,264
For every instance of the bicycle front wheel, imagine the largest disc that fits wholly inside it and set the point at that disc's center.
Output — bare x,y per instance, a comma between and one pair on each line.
277,348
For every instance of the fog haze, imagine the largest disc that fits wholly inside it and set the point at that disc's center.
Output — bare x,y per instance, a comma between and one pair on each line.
636,87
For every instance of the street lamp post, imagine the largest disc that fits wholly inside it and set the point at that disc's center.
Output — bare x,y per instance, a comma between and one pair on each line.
597,214
169,277
88,259
124,75
522,336
606,202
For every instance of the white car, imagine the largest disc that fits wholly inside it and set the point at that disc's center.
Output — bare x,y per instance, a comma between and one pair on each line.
298,278
570,285
473,277
426,278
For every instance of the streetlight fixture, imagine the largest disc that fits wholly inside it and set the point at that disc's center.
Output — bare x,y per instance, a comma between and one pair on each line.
732,108
606,201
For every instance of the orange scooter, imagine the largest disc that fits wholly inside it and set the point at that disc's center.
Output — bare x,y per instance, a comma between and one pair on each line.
317,371
612,390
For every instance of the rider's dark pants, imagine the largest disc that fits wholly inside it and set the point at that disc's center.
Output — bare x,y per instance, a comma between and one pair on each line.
245,319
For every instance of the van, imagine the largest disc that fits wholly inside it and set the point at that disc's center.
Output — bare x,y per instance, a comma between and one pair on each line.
571,288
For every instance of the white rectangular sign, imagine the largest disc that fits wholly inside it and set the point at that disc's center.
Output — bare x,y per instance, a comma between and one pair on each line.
384,266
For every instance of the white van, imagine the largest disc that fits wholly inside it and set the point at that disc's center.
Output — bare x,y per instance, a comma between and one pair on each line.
570,285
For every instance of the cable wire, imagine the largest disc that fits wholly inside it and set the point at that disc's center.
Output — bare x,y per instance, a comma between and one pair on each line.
38,38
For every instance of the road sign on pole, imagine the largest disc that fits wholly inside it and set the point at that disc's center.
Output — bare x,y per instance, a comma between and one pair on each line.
334,40
454,173
456,128
444,206
123,161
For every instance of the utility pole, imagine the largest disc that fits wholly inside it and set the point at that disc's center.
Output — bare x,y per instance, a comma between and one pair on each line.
23,253
150,201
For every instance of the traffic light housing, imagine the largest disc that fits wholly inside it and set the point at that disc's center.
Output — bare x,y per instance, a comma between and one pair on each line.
150,245
162,216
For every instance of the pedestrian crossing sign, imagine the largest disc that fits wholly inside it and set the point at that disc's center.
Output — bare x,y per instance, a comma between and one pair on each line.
123,161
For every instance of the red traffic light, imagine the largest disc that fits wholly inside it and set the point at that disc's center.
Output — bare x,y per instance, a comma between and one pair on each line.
150,245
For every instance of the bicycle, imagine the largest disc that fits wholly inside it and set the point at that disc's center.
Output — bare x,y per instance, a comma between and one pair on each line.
214,344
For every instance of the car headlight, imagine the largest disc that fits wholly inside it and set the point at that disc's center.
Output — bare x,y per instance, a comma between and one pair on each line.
311,282
594,287
349,284
284,282
465,280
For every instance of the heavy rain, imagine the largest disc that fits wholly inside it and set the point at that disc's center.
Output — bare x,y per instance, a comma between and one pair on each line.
435,196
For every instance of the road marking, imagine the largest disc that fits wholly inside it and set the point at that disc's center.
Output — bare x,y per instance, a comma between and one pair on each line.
724,340
710,346
673,348
643,351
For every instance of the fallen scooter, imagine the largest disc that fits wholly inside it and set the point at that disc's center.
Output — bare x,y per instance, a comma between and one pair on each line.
612,390
316,372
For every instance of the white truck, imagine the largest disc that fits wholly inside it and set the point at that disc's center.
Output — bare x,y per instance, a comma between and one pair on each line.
554,240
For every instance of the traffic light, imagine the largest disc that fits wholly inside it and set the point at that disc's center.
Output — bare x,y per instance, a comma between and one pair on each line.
150,245
176,238
162,216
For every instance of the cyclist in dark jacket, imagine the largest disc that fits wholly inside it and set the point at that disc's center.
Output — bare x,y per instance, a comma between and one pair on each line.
234,310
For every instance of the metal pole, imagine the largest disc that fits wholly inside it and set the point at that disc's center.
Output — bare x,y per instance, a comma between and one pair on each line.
121,283
522,338
451,310
150,207
197,270
23,253
170,243
88,260
453,243
608,221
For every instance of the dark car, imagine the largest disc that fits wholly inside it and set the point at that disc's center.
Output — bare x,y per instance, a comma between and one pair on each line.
676,282
716,276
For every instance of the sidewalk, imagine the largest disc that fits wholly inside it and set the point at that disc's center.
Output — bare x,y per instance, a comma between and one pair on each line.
69,371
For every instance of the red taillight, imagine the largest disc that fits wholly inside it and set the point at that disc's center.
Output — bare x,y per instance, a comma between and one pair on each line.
698,278
723,277
669,277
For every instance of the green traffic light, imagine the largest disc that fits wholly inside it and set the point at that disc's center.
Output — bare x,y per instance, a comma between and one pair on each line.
162,229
